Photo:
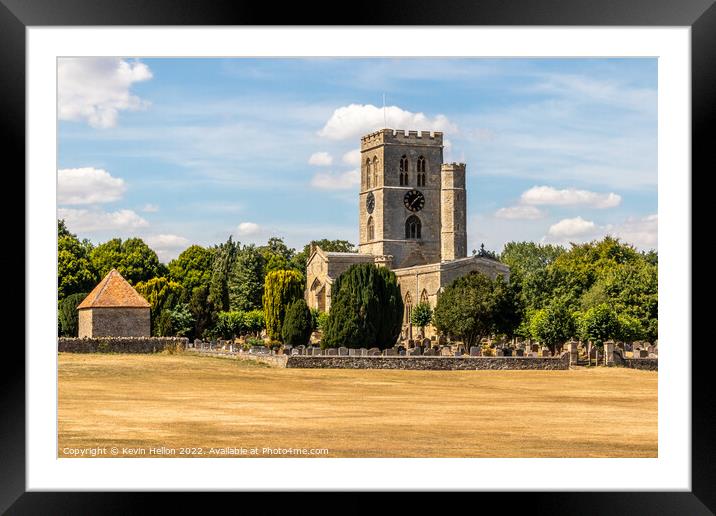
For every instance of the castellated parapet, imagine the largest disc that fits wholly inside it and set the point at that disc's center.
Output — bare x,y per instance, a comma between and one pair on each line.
393,137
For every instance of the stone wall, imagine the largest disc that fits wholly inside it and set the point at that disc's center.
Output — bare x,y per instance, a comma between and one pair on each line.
115,321
427,363
645,364
121,344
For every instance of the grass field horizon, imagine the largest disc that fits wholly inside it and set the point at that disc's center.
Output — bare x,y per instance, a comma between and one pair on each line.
179,401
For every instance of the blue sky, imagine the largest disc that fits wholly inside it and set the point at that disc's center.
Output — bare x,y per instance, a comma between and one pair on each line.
184,151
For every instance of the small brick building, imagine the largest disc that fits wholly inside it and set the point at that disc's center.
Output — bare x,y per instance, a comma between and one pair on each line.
114,309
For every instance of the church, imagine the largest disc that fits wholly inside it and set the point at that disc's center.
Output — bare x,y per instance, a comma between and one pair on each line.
412,214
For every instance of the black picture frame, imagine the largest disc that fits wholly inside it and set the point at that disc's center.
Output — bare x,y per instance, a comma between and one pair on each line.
700,15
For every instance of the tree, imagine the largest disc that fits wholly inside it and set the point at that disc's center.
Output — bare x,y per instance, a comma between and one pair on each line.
67,314
529,264
230,324
390,321
598,324
509,307
421,316
630,329
219,285
182,320
202,310
281,288
298,324
134,259
192,268
75,271
163,295
466,308
366,309
246,279
553,325
254,321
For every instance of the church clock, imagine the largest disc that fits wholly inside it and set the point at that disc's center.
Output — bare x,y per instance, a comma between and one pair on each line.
414,200
370,202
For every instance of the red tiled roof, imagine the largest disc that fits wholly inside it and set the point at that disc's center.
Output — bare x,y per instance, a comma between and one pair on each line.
113,290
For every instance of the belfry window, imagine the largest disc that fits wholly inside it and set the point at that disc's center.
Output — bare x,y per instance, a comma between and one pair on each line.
404,171
371,229
412,227
367,173
421,171
375,171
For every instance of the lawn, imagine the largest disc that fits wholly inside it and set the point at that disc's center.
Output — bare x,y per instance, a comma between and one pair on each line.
169,402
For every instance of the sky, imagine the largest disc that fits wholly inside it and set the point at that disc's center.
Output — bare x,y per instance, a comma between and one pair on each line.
190,151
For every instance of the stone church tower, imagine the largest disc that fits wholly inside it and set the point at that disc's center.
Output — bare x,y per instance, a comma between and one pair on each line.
412,218
409,201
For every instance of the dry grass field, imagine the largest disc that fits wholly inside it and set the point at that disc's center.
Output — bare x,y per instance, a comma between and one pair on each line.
139,402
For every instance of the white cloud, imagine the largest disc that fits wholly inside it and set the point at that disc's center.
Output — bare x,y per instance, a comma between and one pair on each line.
167,246
546,195
331,181
88,186
95,89
519,213
322,159
641,232
88,221
352,157
248,229
358,119
150,208
571,227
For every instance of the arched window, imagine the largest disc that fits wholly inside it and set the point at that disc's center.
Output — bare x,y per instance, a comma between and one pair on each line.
408,307
424,297
375,171
421,171
404,171
371,229
412,227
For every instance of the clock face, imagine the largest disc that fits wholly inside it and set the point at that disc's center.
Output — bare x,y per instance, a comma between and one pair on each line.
414,200
370,202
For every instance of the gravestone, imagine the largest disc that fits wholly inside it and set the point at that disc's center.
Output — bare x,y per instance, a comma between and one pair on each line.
643,353
416,351
499,352
546,352
445,351
519,352
373,352
430,352
573,348
363,352
331,352
343,351
535,348
352,352
609,352
390,352
315,351
295,351
474,351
